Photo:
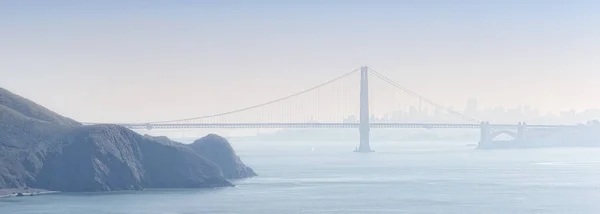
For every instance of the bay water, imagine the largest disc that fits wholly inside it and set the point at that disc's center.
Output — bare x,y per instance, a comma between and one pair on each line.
400,177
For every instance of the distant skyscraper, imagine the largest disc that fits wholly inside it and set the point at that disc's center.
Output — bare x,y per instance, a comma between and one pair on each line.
413,112
437,113
472,107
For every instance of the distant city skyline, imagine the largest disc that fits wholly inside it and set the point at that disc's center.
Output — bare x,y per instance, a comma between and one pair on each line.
497,114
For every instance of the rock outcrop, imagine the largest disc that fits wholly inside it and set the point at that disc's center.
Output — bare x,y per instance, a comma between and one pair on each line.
41,149
163,139
218,150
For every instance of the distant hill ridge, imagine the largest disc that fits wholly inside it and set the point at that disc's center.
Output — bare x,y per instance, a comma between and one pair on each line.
32,110
42,149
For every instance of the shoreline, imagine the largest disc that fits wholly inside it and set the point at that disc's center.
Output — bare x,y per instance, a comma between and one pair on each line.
14,192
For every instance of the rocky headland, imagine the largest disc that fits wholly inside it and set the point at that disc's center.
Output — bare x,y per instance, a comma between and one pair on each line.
44,150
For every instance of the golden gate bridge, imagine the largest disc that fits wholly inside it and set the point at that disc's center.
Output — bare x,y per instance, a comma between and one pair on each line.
329,104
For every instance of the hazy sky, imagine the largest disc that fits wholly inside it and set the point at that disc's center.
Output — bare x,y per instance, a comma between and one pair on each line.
155,60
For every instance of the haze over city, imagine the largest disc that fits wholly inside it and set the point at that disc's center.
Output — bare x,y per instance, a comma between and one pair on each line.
153,60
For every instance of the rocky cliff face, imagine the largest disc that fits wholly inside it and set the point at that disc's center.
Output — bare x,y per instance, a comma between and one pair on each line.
39,148
27,130
94,158
218,150
110,157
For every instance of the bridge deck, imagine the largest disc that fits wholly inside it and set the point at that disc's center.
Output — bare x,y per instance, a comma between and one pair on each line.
322,125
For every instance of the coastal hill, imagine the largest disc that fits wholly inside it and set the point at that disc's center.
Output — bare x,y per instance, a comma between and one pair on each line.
41,149
216,149
219,151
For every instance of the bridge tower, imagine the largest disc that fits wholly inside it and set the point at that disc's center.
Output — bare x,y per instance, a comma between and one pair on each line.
364,127
485,130
521,130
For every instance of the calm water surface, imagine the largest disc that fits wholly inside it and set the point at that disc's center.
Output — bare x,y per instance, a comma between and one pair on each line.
326,177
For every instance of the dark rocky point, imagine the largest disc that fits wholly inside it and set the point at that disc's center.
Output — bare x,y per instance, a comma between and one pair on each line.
218,150
41,149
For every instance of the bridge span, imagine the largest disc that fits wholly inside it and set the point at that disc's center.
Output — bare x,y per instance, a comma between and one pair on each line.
297,111
147,126
488,131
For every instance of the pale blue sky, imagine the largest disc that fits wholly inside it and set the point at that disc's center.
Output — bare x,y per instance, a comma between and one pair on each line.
154,60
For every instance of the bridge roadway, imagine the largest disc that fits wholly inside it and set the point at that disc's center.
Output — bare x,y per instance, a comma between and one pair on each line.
322,125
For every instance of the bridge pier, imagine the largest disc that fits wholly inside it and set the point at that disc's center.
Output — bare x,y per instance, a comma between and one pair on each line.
486,137
364,127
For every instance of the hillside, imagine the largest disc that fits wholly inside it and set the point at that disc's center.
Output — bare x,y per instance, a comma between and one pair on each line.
41,149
